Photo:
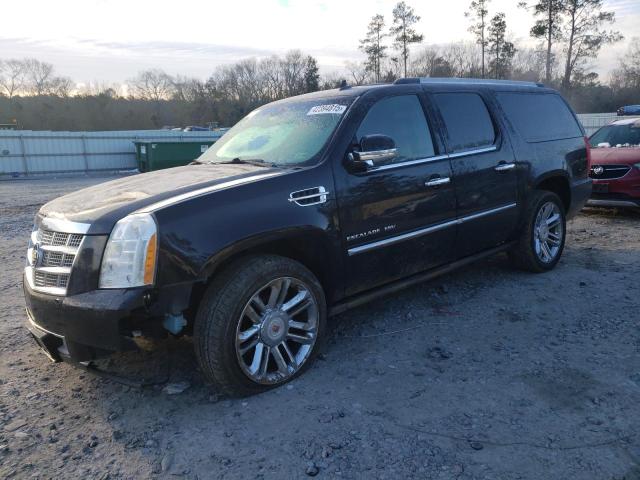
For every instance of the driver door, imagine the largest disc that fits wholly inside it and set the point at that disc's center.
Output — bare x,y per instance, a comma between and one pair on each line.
397,218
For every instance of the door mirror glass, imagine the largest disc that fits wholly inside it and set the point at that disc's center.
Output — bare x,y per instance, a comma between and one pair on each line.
374,149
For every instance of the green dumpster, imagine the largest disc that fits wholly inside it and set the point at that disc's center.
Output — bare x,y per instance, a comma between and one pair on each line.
158,155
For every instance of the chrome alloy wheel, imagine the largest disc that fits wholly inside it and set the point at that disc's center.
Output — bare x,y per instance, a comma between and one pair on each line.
548,232
277,330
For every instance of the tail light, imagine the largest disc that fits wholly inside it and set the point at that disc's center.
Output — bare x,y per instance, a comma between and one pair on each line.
587,145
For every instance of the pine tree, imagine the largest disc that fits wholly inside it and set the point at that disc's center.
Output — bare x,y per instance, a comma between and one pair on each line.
403,32
372,45
478,12
548,27
501,50
311,75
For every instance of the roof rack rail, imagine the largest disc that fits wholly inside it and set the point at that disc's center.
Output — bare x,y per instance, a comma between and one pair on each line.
474,81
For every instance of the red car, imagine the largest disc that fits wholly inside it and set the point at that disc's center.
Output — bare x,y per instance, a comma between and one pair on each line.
615,164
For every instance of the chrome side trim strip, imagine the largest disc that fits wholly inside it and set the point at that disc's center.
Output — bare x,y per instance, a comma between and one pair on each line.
418,161
475,151
410,162
400,238
203,191
63,226
424,231
468,218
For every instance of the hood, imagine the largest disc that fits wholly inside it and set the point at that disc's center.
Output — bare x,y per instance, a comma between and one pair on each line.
615,156
104,204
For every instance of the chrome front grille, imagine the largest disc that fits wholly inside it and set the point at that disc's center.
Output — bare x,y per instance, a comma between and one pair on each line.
50,259
58,239
608,172
50,280
57,259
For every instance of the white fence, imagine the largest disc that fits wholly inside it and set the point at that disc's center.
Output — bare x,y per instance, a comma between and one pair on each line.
593,121
28,152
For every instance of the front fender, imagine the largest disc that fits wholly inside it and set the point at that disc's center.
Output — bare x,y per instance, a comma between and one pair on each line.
198,236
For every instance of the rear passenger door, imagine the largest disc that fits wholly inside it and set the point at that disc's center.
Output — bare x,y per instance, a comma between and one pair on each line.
484,171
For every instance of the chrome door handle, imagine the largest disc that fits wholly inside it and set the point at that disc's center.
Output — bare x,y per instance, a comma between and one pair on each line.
504,167
437,181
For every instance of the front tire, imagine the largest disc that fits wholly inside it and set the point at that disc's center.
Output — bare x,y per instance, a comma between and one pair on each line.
259,325
542,239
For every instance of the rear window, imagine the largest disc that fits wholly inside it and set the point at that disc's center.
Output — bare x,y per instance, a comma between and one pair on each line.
468,122
539,117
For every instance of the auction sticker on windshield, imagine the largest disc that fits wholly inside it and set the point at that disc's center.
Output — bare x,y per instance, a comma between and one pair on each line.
322,109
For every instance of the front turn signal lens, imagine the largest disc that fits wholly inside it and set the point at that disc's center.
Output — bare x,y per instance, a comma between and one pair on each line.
150,260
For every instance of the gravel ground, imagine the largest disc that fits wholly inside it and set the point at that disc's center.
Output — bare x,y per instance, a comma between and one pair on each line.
486,373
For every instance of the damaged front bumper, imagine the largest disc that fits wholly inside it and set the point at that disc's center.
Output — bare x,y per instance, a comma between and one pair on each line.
86,326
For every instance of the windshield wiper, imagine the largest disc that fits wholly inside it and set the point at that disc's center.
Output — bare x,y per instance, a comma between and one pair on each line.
250,161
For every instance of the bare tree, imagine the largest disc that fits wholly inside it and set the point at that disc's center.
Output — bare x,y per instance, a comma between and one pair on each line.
358,72
60,87
187,89
372,45
463,58
273,77
331,80
627,75
584,34
429,62
12,77
293,67
38,76
402,31
528,64
479,13
154,84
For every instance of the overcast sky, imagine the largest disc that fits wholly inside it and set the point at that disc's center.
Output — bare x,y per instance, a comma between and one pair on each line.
111,40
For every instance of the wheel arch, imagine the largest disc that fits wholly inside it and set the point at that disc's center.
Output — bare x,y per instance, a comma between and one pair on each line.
557,182
311,246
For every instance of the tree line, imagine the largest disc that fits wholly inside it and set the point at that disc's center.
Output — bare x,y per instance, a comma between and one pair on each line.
570,35
571,32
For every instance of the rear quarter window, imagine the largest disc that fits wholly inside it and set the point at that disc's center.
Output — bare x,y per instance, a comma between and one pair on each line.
539,117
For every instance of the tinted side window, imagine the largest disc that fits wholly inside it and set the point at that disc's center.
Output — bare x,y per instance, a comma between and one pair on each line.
538,117
467,120
402,119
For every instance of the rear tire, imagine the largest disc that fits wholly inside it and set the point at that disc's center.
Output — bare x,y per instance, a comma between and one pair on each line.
259,325
541,242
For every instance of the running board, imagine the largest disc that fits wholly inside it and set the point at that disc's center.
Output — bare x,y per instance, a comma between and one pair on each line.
398,285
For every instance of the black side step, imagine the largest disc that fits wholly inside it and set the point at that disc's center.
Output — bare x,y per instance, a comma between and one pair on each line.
398,285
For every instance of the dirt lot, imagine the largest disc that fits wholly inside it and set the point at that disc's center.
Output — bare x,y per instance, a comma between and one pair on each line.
487,373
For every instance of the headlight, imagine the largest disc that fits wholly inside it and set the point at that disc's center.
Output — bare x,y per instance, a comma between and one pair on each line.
637,165
130,256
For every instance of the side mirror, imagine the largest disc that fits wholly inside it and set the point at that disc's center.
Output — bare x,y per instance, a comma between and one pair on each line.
374,149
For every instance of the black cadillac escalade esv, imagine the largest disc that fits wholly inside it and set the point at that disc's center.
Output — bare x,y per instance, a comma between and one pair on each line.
308,206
